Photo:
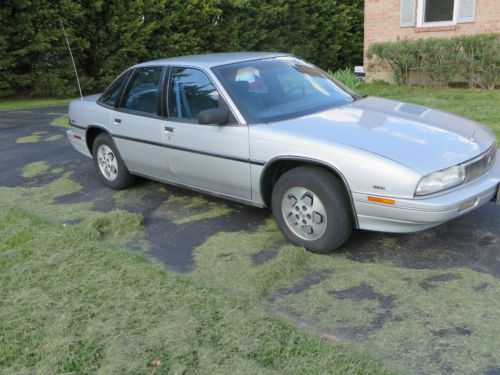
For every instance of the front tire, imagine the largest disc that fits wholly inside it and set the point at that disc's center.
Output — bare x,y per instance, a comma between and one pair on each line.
311,208
109,164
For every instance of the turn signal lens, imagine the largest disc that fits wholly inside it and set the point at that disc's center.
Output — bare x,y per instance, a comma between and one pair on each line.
381,200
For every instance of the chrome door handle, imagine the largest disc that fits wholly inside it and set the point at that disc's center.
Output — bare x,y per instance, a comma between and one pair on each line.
117,121
169,129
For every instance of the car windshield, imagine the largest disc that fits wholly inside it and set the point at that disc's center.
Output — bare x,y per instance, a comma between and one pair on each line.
280,88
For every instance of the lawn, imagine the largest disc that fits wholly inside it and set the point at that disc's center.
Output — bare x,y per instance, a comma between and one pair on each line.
17,104
73,303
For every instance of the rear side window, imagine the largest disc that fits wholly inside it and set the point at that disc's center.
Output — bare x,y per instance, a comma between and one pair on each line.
111,95
142,92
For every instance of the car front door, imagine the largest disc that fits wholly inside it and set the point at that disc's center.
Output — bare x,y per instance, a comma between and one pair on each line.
137,124
209,157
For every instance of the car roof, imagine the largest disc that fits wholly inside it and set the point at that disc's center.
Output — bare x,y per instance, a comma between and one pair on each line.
210,60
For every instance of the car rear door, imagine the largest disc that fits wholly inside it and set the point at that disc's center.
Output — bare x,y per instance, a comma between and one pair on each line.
209,157
137,125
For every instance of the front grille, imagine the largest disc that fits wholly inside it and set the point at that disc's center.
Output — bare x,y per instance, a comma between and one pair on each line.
481,165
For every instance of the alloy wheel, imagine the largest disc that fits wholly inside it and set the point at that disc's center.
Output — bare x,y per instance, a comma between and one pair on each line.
304,213
108,164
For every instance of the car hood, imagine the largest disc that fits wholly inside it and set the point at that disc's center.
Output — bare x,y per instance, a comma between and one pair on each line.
421,138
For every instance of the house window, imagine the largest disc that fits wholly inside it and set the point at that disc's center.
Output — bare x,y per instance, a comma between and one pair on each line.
439,10
436,12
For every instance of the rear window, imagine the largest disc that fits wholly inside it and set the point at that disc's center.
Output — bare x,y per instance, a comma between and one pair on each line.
111,95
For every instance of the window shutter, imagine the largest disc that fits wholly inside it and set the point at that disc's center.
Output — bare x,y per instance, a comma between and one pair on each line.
407,17
466,10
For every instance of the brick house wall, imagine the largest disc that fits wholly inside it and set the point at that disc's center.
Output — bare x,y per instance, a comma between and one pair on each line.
383,24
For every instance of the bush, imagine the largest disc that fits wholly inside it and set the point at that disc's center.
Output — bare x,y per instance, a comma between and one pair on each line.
443,60
439,61
488,61
347,77
400,57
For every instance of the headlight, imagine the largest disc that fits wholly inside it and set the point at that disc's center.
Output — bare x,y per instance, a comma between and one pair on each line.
441,180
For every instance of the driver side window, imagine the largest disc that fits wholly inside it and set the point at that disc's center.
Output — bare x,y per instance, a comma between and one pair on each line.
190,91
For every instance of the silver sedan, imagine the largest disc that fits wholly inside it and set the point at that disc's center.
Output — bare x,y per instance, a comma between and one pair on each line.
273,130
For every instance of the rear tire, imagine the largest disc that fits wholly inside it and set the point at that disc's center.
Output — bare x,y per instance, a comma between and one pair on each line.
311,207
109,164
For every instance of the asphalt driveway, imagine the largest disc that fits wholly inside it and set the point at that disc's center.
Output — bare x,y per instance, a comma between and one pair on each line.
425,303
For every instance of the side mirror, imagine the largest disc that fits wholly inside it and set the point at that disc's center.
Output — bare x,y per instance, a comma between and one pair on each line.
218,116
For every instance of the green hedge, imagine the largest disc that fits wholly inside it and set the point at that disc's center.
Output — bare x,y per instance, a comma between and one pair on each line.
439,61
108,36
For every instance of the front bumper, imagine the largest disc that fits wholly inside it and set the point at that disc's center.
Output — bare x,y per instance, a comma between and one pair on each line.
412,215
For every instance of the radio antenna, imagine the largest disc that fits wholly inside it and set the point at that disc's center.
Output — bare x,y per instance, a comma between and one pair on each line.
72,59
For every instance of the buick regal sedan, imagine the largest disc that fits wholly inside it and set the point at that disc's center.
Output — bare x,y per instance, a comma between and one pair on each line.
271,130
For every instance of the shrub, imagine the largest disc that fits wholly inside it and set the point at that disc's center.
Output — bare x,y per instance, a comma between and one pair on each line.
347,77
472,50
481,60
400,57
489,68
443,59
475,59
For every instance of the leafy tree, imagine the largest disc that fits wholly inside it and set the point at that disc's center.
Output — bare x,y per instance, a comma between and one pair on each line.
109,35
31,50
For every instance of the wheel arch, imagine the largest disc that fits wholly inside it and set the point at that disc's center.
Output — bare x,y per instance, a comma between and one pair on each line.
277,166
91,134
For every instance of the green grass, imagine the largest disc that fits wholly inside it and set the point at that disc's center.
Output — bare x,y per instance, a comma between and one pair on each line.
186,209
33,138
35,169
72,303
16,104
479,105
417,320
61,122
54,137
225,261
118,225
28,139
178,208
